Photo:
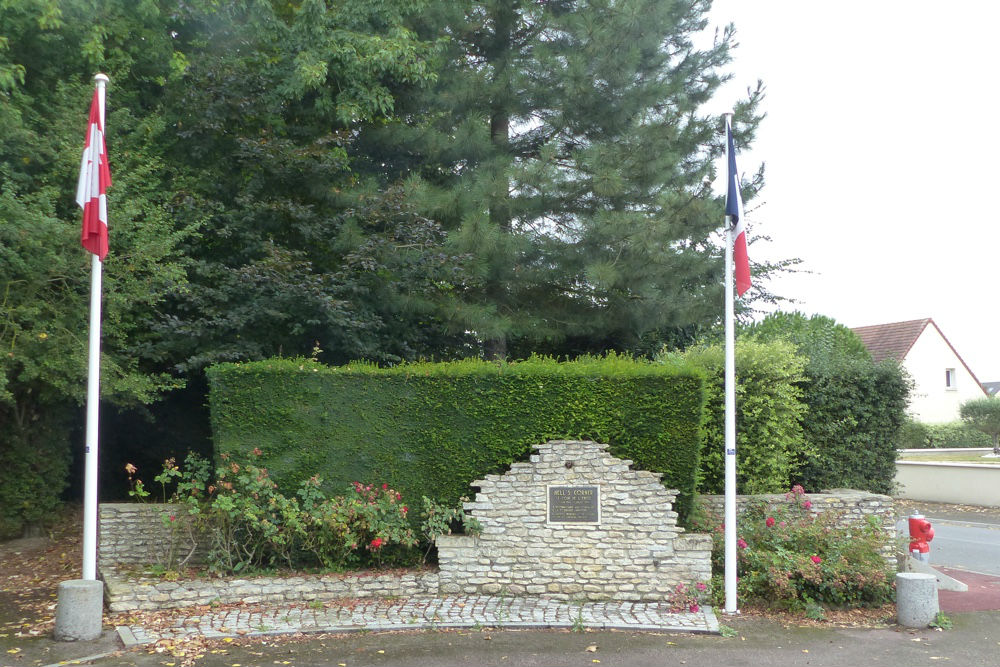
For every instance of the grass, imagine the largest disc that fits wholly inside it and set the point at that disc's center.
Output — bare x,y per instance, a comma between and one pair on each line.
950,457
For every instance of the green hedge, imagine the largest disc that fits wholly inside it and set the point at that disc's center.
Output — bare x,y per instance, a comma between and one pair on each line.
917,435
856,409
769,410
432,428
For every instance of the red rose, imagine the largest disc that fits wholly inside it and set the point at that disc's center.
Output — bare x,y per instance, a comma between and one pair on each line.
769,522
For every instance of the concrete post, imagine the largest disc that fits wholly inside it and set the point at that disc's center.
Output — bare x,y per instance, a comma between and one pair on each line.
79,610
916,599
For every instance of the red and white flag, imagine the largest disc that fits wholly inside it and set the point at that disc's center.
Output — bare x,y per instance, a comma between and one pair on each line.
95,177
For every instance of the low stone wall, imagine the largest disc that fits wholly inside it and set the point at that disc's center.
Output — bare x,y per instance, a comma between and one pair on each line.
146,533
130,594
851,505
574,523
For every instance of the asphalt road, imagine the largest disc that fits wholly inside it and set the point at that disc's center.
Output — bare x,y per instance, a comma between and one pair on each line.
963,545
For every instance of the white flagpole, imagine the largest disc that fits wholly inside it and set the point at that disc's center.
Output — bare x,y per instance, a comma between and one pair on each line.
93,396
730,439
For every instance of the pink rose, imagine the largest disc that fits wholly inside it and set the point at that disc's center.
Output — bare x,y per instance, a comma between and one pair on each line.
693,608
741,543
701,586
807,504
816,559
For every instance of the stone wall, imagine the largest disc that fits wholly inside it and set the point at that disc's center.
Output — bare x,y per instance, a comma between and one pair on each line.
625,545
851,505
142,534
130,594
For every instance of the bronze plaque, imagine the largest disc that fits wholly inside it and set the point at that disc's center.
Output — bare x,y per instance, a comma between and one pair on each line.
574,504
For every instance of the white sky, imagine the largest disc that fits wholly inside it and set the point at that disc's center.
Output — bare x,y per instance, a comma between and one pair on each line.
881,162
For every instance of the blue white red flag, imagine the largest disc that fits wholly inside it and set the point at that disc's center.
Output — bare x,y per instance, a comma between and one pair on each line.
734,211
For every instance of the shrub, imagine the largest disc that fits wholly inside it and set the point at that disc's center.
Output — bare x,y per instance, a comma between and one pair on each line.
917,435
769,411
34,467
250,525
855,406
983,414
856,409
791,558
367,526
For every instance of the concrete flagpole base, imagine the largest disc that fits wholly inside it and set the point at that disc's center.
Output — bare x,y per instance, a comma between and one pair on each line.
916,599
79,610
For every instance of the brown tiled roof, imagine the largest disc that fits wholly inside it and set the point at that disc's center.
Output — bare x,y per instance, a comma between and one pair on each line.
891,341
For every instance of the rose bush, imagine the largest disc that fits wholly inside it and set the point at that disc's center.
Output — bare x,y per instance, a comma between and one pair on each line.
792,558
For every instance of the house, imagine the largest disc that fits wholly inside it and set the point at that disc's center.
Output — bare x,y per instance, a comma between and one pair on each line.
942,381
991,388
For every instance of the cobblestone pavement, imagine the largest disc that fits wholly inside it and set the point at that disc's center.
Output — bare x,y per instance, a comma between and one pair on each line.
382,614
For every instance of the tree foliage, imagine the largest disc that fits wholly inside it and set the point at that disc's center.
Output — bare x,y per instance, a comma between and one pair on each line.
983,414
376,179
564,147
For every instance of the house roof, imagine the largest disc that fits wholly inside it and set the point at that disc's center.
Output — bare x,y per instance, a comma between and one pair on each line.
893,341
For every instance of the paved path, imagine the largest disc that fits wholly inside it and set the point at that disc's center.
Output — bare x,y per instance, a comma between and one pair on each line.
381,614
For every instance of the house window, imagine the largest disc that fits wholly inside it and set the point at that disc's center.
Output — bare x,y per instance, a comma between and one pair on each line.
949,378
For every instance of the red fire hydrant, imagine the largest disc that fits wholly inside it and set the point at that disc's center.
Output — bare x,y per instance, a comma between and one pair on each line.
921,533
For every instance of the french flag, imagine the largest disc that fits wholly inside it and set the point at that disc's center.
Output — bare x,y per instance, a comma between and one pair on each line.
734,210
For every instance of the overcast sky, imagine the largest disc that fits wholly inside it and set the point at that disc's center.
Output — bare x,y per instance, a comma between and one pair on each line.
881,158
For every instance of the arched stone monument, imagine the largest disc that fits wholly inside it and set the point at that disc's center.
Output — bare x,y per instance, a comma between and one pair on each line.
574,523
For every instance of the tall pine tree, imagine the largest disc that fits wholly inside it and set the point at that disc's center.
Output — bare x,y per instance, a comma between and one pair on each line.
565,148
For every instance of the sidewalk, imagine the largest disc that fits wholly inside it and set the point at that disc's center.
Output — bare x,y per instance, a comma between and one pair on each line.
379,614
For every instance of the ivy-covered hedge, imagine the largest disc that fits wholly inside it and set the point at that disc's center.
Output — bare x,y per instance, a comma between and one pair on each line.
432,428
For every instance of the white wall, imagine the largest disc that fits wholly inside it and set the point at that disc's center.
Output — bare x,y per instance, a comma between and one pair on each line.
930,400
964,483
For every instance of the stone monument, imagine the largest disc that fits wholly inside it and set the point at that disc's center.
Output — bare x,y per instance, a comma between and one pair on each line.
574,523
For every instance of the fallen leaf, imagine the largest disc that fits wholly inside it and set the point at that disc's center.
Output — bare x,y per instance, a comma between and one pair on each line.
592,648
380,651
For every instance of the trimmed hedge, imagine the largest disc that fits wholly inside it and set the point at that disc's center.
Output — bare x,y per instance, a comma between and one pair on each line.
432,428
917,435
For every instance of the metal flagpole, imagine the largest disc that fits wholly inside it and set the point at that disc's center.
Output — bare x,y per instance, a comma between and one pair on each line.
93,396
730,439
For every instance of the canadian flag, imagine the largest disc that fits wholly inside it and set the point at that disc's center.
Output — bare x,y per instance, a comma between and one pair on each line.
95,177
734,209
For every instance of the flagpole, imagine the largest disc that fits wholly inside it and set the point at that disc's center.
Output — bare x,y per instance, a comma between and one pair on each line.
93,396
730,410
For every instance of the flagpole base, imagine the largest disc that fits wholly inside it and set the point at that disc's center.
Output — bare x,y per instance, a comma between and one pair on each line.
79,610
